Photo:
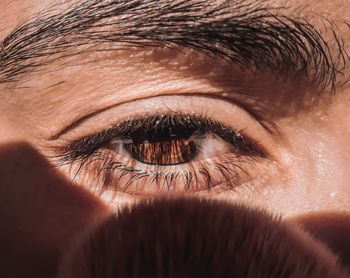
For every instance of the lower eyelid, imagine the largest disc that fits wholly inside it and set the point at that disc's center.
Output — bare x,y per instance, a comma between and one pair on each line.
228,171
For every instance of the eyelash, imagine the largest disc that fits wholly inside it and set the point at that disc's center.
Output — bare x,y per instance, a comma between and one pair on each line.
84,154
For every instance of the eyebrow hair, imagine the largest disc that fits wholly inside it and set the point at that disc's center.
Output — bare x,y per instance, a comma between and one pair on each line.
248,35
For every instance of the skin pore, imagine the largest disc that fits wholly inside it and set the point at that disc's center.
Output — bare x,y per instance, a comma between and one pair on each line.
297,124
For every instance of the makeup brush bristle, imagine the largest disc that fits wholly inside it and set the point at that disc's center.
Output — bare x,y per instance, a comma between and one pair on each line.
193,238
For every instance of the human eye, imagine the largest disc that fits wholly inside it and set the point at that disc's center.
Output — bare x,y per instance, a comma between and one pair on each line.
167,147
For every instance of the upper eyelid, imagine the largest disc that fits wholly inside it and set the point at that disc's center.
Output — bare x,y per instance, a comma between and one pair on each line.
93,142
268,125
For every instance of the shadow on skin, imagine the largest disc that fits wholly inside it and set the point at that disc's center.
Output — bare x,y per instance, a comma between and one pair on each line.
332,229
40,213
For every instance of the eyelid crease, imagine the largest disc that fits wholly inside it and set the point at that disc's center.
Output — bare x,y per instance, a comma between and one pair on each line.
228,97
83,118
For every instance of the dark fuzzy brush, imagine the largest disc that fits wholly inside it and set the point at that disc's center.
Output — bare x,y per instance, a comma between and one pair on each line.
193,238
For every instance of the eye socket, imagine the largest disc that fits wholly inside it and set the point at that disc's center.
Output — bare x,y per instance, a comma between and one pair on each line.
161,153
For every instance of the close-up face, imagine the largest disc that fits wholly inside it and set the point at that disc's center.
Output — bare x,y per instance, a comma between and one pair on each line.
119,116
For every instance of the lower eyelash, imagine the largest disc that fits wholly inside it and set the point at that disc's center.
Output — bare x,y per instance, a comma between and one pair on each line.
109,173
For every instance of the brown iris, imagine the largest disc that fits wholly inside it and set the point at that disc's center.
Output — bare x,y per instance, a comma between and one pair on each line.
168,152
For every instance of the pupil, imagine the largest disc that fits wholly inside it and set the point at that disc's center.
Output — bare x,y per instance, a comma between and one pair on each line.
169,146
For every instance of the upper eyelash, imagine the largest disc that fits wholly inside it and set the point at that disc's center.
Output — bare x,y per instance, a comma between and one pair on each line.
87,146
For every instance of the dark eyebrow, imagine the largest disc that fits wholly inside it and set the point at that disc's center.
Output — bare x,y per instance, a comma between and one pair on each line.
247,34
